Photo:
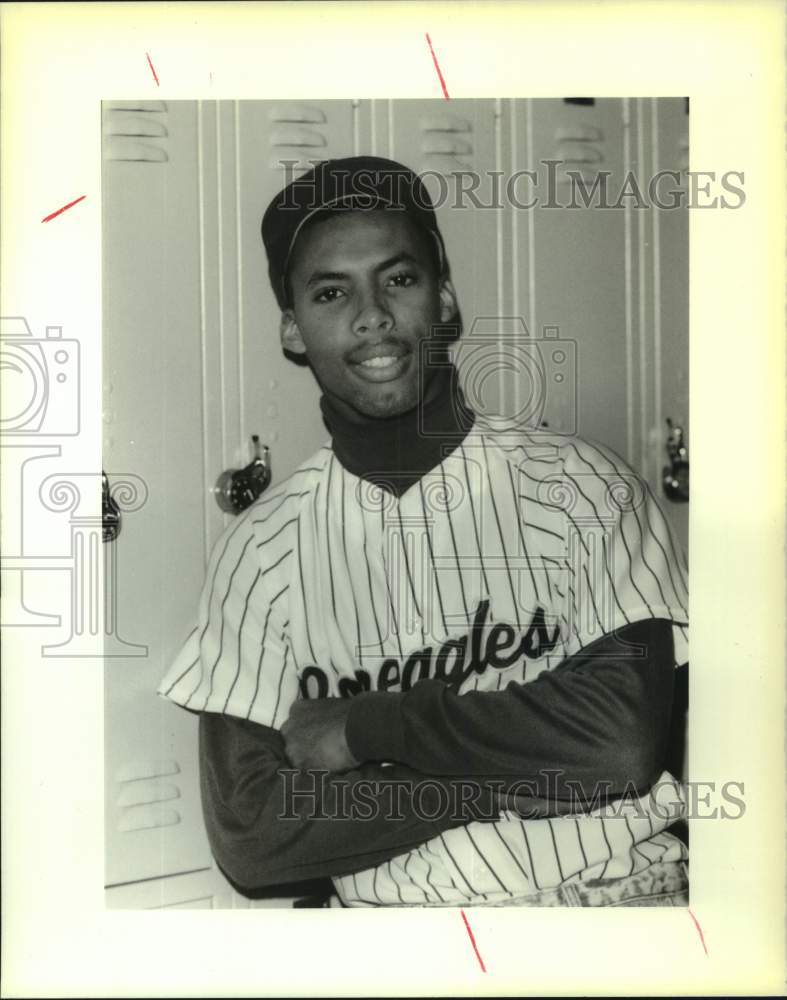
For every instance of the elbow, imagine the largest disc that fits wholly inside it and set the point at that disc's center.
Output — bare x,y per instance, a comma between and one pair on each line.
254,846
636,742
244,875
236,870
238,780
634,761
242,840
240,856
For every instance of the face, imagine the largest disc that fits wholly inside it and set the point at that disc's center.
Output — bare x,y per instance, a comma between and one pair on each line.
365,294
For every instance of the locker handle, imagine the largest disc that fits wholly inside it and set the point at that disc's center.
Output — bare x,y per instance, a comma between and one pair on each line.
110,512
675,476
237,489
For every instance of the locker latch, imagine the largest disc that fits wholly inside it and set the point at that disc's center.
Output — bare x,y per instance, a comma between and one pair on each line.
675,476
237,489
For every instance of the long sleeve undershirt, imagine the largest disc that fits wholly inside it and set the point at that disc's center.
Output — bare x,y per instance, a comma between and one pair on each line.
602,716
248,787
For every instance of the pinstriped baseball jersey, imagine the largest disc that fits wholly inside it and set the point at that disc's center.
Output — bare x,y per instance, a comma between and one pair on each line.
330,586
491,863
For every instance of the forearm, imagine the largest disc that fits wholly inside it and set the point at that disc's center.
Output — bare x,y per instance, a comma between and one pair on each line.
268,823
598,718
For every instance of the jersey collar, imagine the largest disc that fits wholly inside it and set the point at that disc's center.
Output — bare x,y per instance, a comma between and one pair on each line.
395,452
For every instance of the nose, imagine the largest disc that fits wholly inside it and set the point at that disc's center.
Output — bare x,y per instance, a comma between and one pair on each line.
373,315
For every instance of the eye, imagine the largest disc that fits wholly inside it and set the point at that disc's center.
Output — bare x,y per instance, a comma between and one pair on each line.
402,279
328,294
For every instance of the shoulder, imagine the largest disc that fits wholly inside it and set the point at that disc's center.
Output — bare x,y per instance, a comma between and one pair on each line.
601,480
285,500
550,453
564,470
273,517
263,538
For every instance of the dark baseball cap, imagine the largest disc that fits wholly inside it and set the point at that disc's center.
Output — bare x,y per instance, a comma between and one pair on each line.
361,183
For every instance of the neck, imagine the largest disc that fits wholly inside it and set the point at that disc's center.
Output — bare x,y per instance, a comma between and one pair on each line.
395,452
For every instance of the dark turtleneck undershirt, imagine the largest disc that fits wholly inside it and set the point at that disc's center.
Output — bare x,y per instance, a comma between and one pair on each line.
395,452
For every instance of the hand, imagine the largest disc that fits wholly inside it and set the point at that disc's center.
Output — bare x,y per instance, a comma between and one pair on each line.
314,735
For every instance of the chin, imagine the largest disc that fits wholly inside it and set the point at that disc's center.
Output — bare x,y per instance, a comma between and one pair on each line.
389,404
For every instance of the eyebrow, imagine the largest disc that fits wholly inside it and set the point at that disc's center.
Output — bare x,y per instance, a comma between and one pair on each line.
399,258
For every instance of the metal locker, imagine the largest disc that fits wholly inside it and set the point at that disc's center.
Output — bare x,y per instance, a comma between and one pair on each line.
571,261
151,369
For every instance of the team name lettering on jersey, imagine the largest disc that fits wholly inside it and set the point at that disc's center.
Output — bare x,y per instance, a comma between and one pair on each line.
456,659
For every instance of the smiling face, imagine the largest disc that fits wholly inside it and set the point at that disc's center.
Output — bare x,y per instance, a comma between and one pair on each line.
365,293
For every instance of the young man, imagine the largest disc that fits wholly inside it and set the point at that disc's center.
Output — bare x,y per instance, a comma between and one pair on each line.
436,663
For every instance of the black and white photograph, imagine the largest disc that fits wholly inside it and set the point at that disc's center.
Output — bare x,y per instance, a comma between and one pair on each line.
411,566
393,590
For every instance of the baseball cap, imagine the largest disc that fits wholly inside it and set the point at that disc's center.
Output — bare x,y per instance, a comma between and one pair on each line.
353,182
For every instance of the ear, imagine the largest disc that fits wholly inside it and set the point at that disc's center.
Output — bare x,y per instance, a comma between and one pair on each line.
448,304
290,334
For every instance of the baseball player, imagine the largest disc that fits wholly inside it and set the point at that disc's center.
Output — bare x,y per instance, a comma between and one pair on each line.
436,663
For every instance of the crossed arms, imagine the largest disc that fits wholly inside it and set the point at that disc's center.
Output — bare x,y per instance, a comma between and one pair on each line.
600,717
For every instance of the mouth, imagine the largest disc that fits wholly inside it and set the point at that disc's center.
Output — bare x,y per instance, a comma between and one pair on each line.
383,366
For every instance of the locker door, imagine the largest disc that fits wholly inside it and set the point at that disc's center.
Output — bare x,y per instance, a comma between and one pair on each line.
665,123
152,393
572,278
604,272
